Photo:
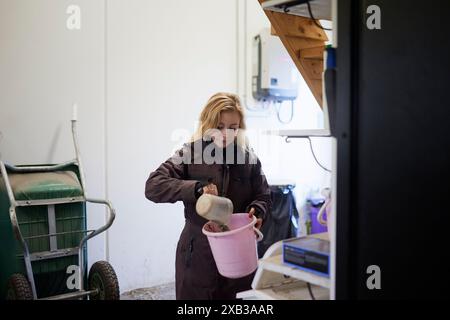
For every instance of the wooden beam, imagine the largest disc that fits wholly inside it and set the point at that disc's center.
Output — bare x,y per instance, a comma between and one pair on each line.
299,33
314,68
304,43
273,31
312,53
317,88
297,26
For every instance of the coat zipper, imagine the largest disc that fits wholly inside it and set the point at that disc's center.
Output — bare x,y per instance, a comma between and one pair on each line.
189,252
225,169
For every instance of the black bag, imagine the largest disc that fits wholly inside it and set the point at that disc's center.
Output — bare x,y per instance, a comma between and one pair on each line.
278,224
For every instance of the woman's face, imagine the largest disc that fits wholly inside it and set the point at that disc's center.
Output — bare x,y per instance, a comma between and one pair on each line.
227,129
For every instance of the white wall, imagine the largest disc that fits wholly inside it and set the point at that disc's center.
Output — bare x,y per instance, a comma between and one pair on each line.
44,69
165,58
281,160
140,77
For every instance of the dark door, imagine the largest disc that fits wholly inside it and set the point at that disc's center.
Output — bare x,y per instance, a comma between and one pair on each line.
393,114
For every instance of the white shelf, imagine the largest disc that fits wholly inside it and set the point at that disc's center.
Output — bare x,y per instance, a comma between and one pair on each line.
275,264
293,291
321,9
276,280
299,133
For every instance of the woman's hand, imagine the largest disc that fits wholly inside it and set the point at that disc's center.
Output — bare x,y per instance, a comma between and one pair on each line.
251,213
211,189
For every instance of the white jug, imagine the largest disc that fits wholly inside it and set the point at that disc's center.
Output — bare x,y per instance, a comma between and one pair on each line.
215,208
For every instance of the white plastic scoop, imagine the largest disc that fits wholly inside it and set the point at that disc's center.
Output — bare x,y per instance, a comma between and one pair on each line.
215,208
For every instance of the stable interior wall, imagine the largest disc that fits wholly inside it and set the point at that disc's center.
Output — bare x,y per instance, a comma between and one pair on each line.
140,72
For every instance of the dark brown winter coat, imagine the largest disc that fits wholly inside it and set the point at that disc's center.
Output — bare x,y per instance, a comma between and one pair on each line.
176,180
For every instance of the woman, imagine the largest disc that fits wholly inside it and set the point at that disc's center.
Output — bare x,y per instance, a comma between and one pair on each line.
217,161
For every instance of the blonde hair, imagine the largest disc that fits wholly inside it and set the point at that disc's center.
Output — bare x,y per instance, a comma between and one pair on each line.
210,116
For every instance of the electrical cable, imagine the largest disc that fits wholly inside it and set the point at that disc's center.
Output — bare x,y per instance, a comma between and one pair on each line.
314,155
310,291
292,113
314,19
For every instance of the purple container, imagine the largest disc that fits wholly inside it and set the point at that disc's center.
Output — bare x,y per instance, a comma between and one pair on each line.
316,227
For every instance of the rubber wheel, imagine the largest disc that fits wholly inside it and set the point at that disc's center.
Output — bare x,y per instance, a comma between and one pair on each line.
18,288
103,278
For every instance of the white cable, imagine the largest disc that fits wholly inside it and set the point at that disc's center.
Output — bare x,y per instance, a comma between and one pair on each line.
314,155
320,218
292,113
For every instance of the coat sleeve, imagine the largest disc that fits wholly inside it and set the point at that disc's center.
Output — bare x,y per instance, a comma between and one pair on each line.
168,184
261,192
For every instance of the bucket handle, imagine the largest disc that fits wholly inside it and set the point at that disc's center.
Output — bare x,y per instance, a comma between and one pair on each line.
259,235
320,218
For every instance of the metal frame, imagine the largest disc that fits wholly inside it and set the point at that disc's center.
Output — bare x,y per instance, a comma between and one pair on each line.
346,98
28,258
406,182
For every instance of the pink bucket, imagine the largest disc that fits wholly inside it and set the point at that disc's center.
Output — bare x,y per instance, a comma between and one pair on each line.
235,251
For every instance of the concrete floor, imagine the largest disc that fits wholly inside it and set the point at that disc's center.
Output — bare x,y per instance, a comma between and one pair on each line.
162,292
